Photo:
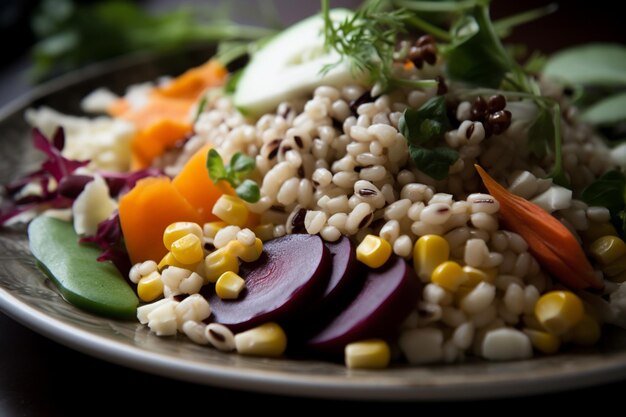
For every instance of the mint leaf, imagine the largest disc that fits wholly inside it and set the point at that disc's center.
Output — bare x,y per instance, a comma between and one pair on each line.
427,123
249,191
433,162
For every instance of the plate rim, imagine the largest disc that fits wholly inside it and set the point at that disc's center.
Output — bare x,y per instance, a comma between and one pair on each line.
264,381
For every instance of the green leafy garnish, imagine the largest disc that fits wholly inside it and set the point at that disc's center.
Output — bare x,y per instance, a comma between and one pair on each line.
609,191
424,126
235,174
75,34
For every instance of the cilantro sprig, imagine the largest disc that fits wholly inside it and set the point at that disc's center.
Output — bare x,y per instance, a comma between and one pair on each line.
235,173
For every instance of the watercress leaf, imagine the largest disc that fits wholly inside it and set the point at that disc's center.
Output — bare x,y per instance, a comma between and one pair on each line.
597,64
607,191
608,111
433,162
541,133
427,123
215,166
248,191
241,164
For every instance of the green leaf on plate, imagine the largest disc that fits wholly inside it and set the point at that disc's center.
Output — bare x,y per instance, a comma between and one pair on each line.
598,64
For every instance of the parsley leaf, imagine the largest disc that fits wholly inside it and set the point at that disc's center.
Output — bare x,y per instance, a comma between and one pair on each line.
234,173
434,162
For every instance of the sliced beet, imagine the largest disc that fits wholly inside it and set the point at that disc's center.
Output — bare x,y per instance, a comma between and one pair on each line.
345,270
290,275
388,295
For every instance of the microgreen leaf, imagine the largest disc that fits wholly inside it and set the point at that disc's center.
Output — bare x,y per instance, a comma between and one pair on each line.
234,173
215,166
249,191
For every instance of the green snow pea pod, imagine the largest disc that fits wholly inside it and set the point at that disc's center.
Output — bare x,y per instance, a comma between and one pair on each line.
93,286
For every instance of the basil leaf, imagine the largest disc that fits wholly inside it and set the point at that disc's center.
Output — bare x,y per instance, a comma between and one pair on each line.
241,164
597,64
215,166
541,134
433,162
427,123
607,191
608,111
249,191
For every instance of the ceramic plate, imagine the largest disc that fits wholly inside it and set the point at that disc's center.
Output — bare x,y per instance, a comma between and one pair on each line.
28,297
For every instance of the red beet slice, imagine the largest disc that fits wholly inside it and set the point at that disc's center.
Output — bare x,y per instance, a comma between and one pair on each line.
290,276
345,270
386,298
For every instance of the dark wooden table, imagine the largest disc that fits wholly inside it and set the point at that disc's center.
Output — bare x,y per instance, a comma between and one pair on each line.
39,377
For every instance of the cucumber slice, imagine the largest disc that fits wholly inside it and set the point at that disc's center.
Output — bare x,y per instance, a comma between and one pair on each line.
290,65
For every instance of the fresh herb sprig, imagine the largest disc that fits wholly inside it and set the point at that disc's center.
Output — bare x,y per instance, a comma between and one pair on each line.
368,40
235,174
609,191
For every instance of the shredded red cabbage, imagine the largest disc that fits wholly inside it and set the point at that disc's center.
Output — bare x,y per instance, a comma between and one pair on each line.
110,239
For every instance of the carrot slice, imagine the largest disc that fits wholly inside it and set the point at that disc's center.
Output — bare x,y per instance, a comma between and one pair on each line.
550,242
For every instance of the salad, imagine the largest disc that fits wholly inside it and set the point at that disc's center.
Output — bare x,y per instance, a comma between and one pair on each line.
382,185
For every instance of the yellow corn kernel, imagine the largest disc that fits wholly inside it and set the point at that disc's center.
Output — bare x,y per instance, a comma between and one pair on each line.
150,287
429,251
210,229
246,253
170,260
229,285
188,249
586,332
559,311
367,354
475,276
175,231
373,251
598,230
543,341
268,339
264,231
231,209
218,262
608,249
615,269
449,275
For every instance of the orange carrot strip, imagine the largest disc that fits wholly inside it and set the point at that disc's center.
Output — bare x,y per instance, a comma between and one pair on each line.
550,242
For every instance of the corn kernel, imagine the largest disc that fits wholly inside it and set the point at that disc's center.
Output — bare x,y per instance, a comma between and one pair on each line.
559,311
210,229
176,230
188,249
229,285
268,339
475,276
429,251
246,253
264,231
543,341
218,262
598,230
150,287
449,275
615,268
608,249
586,332
170,260
367,354
231,210
373,251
